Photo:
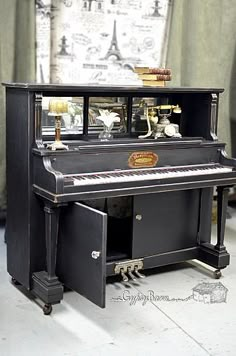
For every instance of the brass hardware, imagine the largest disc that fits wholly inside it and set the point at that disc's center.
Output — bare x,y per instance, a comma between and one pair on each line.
128,267
143,159
123,275
136,271
130,274
57,107
138,217
95,254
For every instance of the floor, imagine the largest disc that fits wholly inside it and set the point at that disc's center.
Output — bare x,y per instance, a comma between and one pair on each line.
176,320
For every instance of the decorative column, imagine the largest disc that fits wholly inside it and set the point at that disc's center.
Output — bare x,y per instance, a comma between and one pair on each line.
222,202
45,283
214,116
51,235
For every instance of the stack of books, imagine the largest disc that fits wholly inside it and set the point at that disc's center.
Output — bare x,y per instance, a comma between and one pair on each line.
153,76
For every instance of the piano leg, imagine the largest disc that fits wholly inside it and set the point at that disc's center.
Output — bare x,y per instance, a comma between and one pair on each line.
51,234
222,202
217,255
46,285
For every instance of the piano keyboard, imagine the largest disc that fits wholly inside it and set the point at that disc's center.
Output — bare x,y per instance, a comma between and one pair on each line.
146,174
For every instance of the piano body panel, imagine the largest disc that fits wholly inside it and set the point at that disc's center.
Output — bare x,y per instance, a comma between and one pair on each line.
25,217
169,222
172,229
92,161
143,187
146,243
185,253
49,170
162,259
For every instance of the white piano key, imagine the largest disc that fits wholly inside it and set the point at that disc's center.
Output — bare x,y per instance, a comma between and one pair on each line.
145,174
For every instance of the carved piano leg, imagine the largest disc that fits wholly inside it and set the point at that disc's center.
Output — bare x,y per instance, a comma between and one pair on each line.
51,234
222,202
45,283
217,255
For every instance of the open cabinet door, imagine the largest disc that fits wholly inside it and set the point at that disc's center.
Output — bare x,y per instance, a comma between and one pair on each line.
81,263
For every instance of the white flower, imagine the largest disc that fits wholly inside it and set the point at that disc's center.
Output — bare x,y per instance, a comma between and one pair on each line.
108,118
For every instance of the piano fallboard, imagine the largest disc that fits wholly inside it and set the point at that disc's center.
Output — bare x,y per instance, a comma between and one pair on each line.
86,158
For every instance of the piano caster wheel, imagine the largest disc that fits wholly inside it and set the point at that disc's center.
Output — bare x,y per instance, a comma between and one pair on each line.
217,274
15,282
47,309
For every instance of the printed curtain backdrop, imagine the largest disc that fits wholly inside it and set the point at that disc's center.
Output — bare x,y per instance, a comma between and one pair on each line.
99,41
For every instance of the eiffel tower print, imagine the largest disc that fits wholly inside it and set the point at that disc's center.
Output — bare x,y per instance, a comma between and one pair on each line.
63,45
156,9
113,50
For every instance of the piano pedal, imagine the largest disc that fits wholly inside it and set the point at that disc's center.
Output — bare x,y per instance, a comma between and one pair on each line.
129,269
130,274
138,274
123,275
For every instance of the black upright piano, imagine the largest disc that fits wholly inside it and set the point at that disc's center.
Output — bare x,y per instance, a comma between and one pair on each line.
87,199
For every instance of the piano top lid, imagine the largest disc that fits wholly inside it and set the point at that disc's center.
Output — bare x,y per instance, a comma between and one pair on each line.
107,89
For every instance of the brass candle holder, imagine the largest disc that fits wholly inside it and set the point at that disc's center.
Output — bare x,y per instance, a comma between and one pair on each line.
57,108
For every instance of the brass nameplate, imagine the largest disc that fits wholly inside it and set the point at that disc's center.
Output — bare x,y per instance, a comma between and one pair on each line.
143,159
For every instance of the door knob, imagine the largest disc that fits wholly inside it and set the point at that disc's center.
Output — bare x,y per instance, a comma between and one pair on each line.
95,254
138,217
